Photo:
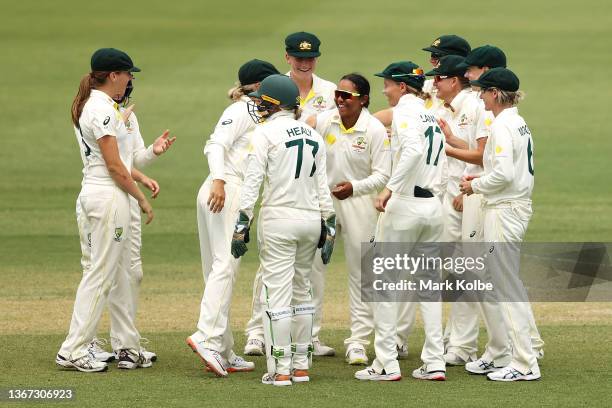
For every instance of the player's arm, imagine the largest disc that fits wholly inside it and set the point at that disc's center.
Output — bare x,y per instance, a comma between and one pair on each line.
502,172
451,139
255,172
120,174
146,181
325,201
411,146
385,116
469,156
380,156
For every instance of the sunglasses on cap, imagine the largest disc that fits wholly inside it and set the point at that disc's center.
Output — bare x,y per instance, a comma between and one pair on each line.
417,72
341,93
438,78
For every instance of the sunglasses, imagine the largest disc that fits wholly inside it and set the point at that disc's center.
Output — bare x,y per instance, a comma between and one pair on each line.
341,93
436,56
417,72
438,78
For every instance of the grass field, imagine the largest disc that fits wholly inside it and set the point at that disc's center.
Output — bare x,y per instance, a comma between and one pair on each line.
190,52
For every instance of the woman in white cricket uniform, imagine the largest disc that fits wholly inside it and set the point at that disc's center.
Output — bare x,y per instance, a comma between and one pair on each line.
119,296
103,210
460,120
358,167
217,204
506,186
411,213
296,216
316,96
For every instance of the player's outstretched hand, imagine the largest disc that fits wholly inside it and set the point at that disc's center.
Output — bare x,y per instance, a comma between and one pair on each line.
330,238
163,143
241,235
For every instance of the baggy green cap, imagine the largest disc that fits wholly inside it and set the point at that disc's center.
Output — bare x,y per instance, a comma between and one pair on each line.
450,65
255,71
500,78
404,71
302,45
449,45
486,56
112,59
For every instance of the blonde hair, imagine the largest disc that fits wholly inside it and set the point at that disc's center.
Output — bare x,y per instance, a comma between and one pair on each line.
419,94
508,97
238,91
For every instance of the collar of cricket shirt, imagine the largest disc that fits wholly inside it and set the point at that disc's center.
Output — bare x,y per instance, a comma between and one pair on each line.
360,126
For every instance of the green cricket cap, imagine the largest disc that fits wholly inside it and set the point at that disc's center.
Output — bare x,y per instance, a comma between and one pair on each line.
450,65
112,59
404,71
302,45
449,45
501,78
255,71
486,56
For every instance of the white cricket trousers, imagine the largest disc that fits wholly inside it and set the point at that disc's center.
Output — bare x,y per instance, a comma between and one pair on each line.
507,222
409,220
287,248
219,267
103,217
122,299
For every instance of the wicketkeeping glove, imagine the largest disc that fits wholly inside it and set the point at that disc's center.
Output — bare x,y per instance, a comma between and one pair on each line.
327,244
241,235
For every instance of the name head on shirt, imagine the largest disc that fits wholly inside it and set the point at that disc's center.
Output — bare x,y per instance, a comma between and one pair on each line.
297,131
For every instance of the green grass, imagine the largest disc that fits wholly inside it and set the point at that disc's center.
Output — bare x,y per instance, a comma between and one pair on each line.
178,378
190,52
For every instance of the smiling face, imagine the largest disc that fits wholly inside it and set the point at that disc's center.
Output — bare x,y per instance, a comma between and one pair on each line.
488,96
446,87
393,91
301,67
348,103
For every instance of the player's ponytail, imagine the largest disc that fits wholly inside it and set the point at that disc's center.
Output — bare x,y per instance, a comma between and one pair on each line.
88,82
238,91
418,93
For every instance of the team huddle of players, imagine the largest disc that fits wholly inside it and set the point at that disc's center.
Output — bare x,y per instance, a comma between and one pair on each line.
450,160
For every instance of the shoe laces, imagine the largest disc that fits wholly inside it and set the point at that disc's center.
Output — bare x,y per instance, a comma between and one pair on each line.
97,344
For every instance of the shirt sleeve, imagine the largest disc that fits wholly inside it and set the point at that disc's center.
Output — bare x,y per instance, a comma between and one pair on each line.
105,122
142,156
325,201
255,172
234,122
502,172
380,156
411,147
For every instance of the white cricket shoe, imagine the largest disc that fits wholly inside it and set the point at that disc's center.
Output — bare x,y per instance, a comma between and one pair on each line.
402,351
86,364
95,348
147,353
453,359
421,373
211,358
370,374
254,347
240,365
131,359
277,379
321,350
481,367
509,374
356,356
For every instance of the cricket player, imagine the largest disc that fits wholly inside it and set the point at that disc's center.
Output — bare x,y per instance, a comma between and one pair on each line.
103,211
296,216
120,295
506,186
218,204
358,167
302,51
411,213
